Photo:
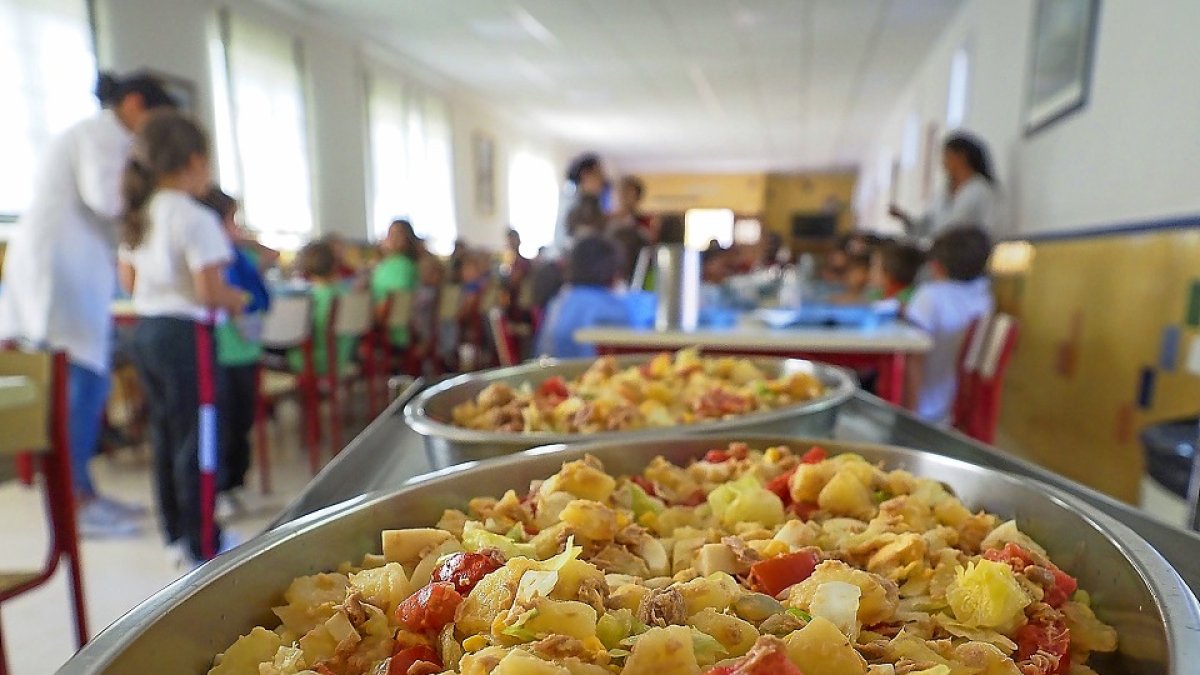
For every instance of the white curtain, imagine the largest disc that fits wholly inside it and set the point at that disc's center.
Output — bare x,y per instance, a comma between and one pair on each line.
412,161
532,200
264,109
48,75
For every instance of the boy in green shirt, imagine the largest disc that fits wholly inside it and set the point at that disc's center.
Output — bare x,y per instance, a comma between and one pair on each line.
317,263
396,272
238,353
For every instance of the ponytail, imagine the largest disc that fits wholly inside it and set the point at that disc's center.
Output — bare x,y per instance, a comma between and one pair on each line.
166,145
108,90
137,185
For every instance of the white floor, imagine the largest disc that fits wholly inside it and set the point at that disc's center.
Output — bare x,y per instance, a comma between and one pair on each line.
118,573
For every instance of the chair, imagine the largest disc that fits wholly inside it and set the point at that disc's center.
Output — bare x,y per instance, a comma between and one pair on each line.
987,350
40,422
503,337
1002,340
398,313
966,371
351,319
287,325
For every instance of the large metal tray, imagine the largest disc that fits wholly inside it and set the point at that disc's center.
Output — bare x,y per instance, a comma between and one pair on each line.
447,444
180,629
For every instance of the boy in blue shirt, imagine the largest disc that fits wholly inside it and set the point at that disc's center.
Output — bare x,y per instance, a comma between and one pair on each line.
587,300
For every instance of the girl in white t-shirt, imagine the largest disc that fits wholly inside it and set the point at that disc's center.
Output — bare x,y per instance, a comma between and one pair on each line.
172,262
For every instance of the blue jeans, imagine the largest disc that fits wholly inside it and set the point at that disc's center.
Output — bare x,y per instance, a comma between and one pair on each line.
87,392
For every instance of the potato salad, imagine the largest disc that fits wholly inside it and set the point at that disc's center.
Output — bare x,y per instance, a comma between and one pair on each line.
746,562
668,390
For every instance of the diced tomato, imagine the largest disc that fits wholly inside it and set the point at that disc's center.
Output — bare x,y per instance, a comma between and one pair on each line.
1016,557
464,570
695,499
645,484
814,455
1053,638
717,456
430,608
406,658
322,669
773,575
803,510
771,663
779,485
554,387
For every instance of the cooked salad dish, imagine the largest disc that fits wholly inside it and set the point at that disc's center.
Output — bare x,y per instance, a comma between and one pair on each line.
666,391
742,563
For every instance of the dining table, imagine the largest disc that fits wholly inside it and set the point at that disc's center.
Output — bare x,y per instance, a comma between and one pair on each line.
883,349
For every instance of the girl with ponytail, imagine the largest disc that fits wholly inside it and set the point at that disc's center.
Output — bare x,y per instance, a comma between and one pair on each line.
60,272
172,259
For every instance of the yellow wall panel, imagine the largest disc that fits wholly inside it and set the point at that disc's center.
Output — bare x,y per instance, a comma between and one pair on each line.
1126,289
668,193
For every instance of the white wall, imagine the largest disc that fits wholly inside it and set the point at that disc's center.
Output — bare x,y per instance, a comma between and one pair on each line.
172,36
1127,155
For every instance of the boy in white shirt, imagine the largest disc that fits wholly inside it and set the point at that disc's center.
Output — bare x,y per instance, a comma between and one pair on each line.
957,293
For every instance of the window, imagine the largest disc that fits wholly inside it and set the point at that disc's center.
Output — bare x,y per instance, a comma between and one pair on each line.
532,200
747,231
700,226
412,162
959,88
262,137
49,73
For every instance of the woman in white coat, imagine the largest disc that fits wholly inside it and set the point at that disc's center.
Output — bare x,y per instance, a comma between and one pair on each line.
60,271
971,196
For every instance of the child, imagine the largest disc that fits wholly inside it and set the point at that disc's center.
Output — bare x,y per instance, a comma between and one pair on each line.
425,313
466,335
172,263
958,292
587,299
855,278
317,262
396,272
894,268
238,351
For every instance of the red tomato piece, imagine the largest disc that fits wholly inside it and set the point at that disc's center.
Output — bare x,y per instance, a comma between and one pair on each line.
1016,557
430,608
772,661
464,570
555,387
1053,638
695,499
779,485
773,575
803,510
406,658
645,484
717,456
814,455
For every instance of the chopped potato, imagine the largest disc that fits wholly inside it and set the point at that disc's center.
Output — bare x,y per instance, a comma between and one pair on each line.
663,651
242,657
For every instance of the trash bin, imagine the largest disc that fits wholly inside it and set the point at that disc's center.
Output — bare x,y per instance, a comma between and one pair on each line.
1170,447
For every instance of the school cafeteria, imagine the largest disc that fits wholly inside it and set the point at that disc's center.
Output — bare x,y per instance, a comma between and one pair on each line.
587,337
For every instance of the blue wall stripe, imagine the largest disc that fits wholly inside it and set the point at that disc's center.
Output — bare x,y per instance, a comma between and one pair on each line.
1168,354
1114,229
1145,397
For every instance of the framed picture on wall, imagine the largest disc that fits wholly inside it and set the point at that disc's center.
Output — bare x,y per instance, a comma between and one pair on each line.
483,156
1064,39
181,89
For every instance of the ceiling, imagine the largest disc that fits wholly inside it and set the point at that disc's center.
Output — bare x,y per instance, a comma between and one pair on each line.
699,85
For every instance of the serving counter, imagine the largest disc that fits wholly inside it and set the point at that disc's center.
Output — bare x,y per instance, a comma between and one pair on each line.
388,453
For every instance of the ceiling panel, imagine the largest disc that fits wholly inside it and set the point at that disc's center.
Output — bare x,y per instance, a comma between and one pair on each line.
682,84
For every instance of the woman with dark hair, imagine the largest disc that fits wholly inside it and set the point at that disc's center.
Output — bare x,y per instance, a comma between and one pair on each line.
60,277
971,190
586,215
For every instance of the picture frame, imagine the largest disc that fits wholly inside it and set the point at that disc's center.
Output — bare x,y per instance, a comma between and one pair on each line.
1061,59
483,157
181,89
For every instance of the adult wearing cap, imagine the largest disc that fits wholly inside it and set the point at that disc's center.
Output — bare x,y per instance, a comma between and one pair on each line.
60,272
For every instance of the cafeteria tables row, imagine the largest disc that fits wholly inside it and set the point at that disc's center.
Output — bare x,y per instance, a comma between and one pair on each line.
885,348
